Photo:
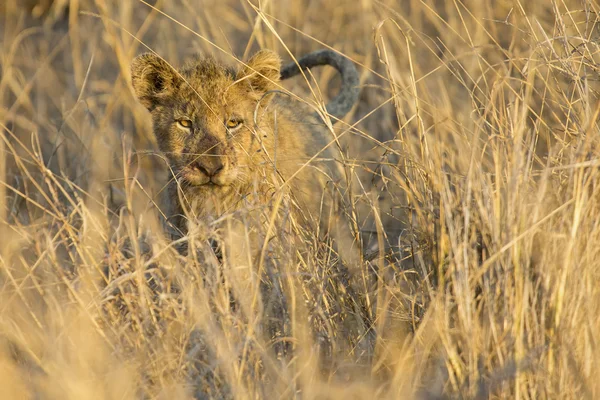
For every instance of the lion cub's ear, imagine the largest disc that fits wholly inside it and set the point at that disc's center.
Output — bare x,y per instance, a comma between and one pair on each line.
262,71
153,79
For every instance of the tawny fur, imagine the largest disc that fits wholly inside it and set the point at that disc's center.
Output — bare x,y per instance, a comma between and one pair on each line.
274,142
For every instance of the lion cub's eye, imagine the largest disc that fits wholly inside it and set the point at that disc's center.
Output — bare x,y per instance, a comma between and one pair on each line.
184,123
233,123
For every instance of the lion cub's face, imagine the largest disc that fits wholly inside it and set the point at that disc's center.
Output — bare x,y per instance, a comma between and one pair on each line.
203,114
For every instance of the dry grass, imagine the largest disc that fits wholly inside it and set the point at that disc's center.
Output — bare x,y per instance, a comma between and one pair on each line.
473,157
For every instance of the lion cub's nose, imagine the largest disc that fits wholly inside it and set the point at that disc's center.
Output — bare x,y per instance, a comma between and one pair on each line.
209,168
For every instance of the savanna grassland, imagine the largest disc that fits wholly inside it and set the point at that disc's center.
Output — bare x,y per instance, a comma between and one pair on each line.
474,197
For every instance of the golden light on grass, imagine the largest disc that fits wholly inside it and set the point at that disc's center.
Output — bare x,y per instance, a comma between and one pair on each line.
472,162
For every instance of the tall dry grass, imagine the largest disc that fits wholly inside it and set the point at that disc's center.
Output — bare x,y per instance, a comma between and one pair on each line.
473,163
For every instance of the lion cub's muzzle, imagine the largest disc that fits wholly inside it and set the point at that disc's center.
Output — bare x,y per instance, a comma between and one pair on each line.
209,166
207,170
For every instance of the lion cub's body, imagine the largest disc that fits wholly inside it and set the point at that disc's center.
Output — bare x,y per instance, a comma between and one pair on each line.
231,142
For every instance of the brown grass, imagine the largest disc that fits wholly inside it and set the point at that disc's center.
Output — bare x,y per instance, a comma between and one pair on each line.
473,157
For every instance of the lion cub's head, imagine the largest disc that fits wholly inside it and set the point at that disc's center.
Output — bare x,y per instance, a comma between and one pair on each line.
203,114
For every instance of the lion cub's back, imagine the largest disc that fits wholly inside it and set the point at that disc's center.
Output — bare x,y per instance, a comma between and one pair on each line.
308,153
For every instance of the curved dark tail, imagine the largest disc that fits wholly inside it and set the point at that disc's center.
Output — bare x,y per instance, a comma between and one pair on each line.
341,104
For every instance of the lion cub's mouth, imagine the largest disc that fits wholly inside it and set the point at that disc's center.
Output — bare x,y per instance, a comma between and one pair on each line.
196,178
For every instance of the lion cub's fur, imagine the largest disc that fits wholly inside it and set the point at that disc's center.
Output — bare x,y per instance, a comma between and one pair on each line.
275,142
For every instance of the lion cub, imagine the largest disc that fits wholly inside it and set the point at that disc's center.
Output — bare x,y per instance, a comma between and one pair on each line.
233,140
